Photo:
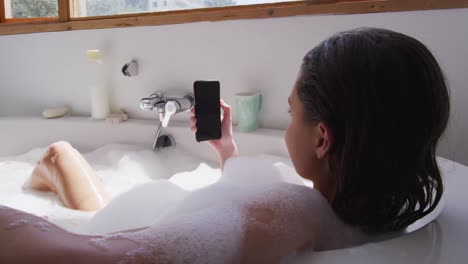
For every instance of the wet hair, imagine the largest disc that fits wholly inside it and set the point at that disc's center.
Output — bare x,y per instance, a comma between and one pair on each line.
384,98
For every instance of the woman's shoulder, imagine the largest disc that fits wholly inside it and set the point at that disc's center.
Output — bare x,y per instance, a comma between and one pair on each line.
292,206
301,212
291,197
283,218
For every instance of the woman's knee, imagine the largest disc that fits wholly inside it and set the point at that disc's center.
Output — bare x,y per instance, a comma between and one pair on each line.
59,147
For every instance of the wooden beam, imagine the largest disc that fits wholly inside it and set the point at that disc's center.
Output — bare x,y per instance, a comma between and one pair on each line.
2,11
232,13
64,10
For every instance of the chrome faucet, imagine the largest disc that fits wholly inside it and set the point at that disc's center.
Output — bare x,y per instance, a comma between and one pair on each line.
166,108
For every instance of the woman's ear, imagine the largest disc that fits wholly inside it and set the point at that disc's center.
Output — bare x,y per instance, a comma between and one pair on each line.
324,140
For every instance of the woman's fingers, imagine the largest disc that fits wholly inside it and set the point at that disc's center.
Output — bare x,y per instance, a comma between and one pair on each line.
193,120
226,112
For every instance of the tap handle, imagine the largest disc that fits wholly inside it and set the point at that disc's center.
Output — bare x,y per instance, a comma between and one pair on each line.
169,110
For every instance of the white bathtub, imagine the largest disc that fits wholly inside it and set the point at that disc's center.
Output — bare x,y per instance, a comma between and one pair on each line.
441,241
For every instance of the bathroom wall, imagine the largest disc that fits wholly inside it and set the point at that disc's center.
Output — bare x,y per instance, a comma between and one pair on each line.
51,69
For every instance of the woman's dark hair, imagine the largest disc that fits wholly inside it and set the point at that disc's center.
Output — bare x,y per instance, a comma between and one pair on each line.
385,100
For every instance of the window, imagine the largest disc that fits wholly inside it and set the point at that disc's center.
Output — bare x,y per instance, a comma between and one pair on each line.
120,7
23,9
30,16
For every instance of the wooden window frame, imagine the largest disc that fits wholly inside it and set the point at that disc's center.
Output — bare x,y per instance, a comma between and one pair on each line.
2,11
309,7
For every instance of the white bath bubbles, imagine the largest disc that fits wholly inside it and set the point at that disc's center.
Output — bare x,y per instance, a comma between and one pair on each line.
120,168
209,225
140,207
210,235
195,214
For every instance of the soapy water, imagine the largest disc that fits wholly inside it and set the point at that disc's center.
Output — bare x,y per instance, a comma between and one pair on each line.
120,168
210,235
163,178
194,214
209,225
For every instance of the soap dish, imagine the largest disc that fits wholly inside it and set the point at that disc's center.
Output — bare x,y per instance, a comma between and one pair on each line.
56,112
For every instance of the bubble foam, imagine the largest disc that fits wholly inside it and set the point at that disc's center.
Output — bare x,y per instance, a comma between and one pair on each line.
194,214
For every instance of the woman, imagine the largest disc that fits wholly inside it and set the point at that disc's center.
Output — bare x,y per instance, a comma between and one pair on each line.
367,111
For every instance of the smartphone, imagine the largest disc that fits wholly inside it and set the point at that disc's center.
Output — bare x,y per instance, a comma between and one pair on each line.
207,110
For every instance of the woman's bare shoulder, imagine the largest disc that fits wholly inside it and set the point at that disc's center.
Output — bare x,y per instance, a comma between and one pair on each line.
282,219
287,197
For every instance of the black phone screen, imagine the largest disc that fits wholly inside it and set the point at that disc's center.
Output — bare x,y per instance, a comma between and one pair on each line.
207,110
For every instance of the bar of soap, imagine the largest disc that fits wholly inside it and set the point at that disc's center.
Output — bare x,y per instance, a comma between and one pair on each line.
56,112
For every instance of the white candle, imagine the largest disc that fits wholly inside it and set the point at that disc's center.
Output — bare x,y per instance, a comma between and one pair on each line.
99,91
99,101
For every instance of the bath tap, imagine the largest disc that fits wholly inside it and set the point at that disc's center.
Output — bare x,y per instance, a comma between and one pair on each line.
166,108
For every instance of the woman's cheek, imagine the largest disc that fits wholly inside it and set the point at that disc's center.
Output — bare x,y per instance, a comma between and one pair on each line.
290,143
287,137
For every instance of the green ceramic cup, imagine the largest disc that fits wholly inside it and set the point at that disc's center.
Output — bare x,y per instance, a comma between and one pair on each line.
248,105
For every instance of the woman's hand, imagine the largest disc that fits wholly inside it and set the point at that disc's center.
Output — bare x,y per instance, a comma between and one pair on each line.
225,147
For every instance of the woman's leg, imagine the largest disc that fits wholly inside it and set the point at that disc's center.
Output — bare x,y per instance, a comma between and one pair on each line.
64,171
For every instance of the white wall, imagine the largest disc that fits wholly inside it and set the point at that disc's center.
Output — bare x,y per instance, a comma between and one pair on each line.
49,69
